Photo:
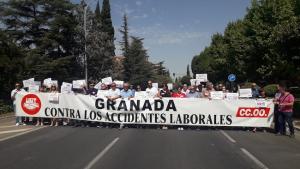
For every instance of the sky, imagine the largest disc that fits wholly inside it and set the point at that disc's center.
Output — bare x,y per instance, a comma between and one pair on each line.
174,31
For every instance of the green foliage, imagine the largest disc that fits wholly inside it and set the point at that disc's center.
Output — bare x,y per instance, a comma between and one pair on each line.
262,47
185,80
4,107
270,90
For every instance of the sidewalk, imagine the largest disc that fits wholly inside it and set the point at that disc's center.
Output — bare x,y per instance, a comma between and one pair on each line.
297,124
7,115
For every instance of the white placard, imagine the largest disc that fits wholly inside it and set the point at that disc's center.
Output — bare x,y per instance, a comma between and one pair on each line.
170,86
107,80
78,84
155,85
33,88
28,82
216,95
119,83
193,82
201,77
66,88
53,97
245,93
38,83
54,83
232,96
47,82
98,86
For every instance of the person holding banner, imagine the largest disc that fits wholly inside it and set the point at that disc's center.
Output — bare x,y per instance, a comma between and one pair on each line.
285,108
54,121
179,93
91,90
13,95
193,93
165,92
113,93
185,89
209,88
126,93
40,120
152,91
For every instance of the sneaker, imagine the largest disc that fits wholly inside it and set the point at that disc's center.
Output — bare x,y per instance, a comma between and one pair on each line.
24,124
178,128
17,124
165,128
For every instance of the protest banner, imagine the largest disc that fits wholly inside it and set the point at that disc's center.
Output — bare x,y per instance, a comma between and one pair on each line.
245,93
166,111
107,80
217,95
53,97
202,77
231,96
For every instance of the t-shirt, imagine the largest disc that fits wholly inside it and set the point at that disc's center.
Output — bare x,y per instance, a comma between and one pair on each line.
126,94
165,93
283,99
113,93
185,92
92,91
152,92
14,93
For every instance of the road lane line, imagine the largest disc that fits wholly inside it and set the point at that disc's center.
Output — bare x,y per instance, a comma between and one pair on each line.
19,134
228,137
253,158
7,126
101,154
13,131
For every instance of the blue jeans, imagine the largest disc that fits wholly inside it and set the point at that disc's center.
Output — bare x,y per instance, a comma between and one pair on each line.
286,117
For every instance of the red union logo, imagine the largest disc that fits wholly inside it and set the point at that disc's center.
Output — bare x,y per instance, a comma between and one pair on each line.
251,112
31,104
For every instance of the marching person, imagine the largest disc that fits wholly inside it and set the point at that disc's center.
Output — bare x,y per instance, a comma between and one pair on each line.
40,120
152,91
179,93
92,91
165,92
193,93
185,89
209,88
126,93
276,112
18,89
113,93
54,121
285,108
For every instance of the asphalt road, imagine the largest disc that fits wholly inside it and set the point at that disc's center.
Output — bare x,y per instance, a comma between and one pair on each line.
85,148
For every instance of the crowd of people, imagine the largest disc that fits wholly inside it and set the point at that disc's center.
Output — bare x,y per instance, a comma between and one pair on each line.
283,100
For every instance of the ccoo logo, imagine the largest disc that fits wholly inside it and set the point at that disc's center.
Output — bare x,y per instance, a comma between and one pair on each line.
31,104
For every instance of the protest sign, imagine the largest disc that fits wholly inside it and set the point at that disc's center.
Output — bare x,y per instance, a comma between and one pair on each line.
245,93
78,84
170,86
38,83
119,83
107,80
54,83
201,77
98,86
66,87
28,82
193,82
33,88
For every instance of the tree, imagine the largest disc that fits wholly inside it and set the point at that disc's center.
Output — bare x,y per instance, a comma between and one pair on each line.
125,35
137,68
188,71
106,19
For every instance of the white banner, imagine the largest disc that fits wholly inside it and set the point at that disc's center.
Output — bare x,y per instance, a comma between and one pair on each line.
166,111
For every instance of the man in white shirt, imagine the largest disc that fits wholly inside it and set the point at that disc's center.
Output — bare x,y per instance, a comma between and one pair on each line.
13,95
103,91
113,93
152,91
185,89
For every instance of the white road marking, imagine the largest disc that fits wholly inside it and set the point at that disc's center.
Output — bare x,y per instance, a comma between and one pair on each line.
8,126
19,134
253,158
14,131
101,154
228,137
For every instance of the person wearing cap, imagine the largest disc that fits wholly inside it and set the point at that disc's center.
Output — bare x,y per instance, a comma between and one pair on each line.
18,89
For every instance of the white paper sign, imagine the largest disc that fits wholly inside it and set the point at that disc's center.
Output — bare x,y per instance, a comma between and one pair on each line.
33,88
201,77
119,83
38,83
28,82
193,82
98,86
47,82
216,95
53,97
232,96
54,83
66,88
245,93
107,80
170,86
78,84
155,85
